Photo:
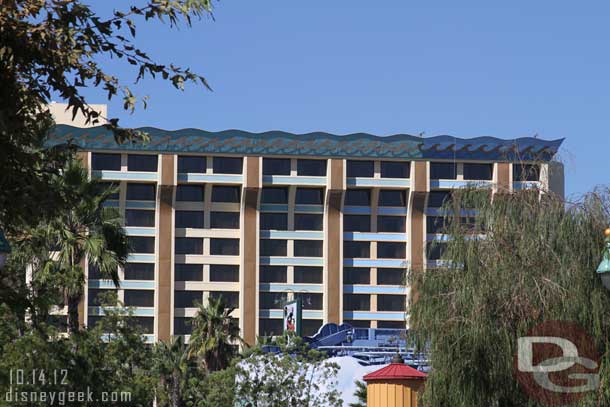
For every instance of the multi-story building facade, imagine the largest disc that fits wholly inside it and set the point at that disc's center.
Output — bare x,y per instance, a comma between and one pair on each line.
261,219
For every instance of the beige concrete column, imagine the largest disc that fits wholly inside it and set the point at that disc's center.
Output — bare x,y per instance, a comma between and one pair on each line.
165,244
417,226
503,176
248,279
333,236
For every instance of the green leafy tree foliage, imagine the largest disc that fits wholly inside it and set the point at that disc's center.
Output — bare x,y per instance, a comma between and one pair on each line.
360,394
536,263
172,366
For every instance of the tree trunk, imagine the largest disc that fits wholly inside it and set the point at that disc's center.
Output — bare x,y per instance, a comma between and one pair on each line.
175,389
73,323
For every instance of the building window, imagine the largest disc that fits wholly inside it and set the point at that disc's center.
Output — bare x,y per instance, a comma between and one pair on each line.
273,300
435,250
356,275
182,326
273,195
310,196
188,272
392,197
102,187
307,275
142,162
391,302
358,197
391,276
224,247
391,250
141,192
139,298
224,193
308,221
105,162
273,221
92,321
310,327
138,217
146,325
526,172
436,224
391,224
59,322
273,274
312,168
359,168
478,171
273,247
139,271
392,324
308,248
189,219
356,302
358,323
141,244
101,297
443,170
189,245
224,220
270,327
276,166
187,299
189,193
227,165
310,300
224,272
230,299
394,169
356,223
190,163
437,199
94,273
353,250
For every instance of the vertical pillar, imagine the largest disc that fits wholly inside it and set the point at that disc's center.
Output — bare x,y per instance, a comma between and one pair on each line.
555,178
165,245
417,226
503,176
248,278
333,235
83,156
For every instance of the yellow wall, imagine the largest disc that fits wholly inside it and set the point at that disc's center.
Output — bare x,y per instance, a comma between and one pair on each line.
397,393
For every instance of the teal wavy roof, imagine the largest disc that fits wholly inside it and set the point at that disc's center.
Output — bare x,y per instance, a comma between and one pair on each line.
316,144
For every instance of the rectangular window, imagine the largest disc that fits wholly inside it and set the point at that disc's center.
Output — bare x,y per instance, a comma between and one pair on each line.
189,245
141,192
224,272
358,197
310,327
227,165
391,324
391,224
224,220
310,196
103,186
435,250
478,171
308,248
356,302
312,168
139,298
188,272
276,166
273,247
437,199
358,323
356,223
187,299
139,271
273,300
443,170
273,274
395,169
189,193
225,193
392,197
92,321
190,163
224,247
391,250
94,272
391,276
105,162
310,300
182,326
273,221
189,219
308,221
230,299
274,195
138,217
308,275
354,250
391,302
526,172
356,275
100,297
436,224
146,325
270,327
359,168
142,162
141,244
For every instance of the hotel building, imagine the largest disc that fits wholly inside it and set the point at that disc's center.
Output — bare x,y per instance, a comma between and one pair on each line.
261,219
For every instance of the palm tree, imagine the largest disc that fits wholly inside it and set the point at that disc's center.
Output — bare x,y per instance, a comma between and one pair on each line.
171,364
215,335
85,230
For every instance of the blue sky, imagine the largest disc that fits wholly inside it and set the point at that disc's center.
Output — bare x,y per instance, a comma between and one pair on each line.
468,69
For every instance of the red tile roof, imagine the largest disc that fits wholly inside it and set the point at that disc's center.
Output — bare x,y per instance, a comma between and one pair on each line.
395,371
